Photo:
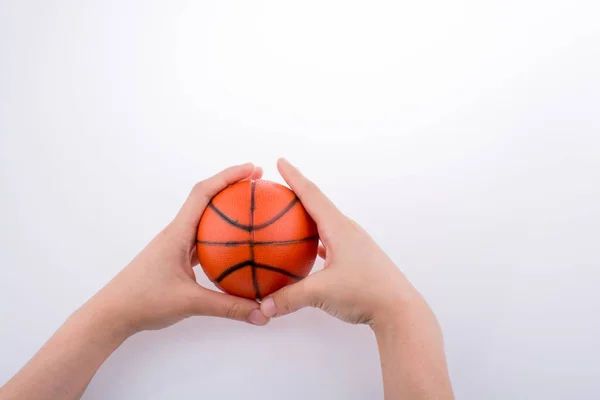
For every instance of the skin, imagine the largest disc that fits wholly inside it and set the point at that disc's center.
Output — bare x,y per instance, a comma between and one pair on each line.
359,284
157,289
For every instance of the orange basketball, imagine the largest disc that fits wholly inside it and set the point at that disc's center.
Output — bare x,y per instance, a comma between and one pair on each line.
254,238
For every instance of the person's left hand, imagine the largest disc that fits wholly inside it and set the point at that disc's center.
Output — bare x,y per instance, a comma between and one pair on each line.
158,288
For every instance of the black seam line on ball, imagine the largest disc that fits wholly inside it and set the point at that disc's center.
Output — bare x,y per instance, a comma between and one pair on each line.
254,277
276,217
249,263
248,228
232,269
229,220
264,243
278,270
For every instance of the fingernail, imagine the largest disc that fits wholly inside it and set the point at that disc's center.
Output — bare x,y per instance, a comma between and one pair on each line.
246,165
268,307
256,317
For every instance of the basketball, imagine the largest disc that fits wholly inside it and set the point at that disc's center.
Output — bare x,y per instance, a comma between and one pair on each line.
254,238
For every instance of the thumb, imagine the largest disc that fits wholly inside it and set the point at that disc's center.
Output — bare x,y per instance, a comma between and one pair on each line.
215,304
289,299
191,211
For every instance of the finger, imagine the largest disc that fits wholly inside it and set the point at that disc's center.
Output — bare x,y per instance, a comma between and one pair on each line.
257,173
321,209
215,304
204,191
290,299
322,252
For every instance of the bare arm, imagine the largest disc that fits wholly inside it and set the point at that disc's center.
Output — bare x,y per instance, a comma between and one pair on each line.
64,366
361,285
411,350
157,289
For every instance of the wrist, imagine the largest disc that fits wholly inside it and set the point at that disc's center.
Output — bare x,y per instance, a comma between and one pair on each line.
392,310
103,314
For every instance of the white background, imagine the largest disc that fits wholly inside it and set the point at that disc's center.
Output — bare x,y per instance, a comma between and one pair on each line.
463,135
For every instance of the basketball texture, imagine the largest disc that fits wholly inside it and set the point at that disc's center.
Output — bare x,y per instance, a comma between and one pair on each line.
254,238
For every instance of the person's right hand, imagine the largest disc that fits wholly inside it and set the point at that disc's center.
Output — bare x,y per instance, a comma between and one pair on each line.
359,283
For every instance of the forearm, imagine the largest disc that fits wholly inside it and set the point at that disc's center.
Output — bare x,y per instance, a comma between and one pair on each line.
412,353
64,366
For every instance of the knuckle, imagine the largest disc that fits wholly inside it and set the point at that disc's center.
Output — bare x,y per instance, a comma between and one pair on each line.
233,311
354,228
340,226
201,191
313,293
350,226
199,188
285,303
317,302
